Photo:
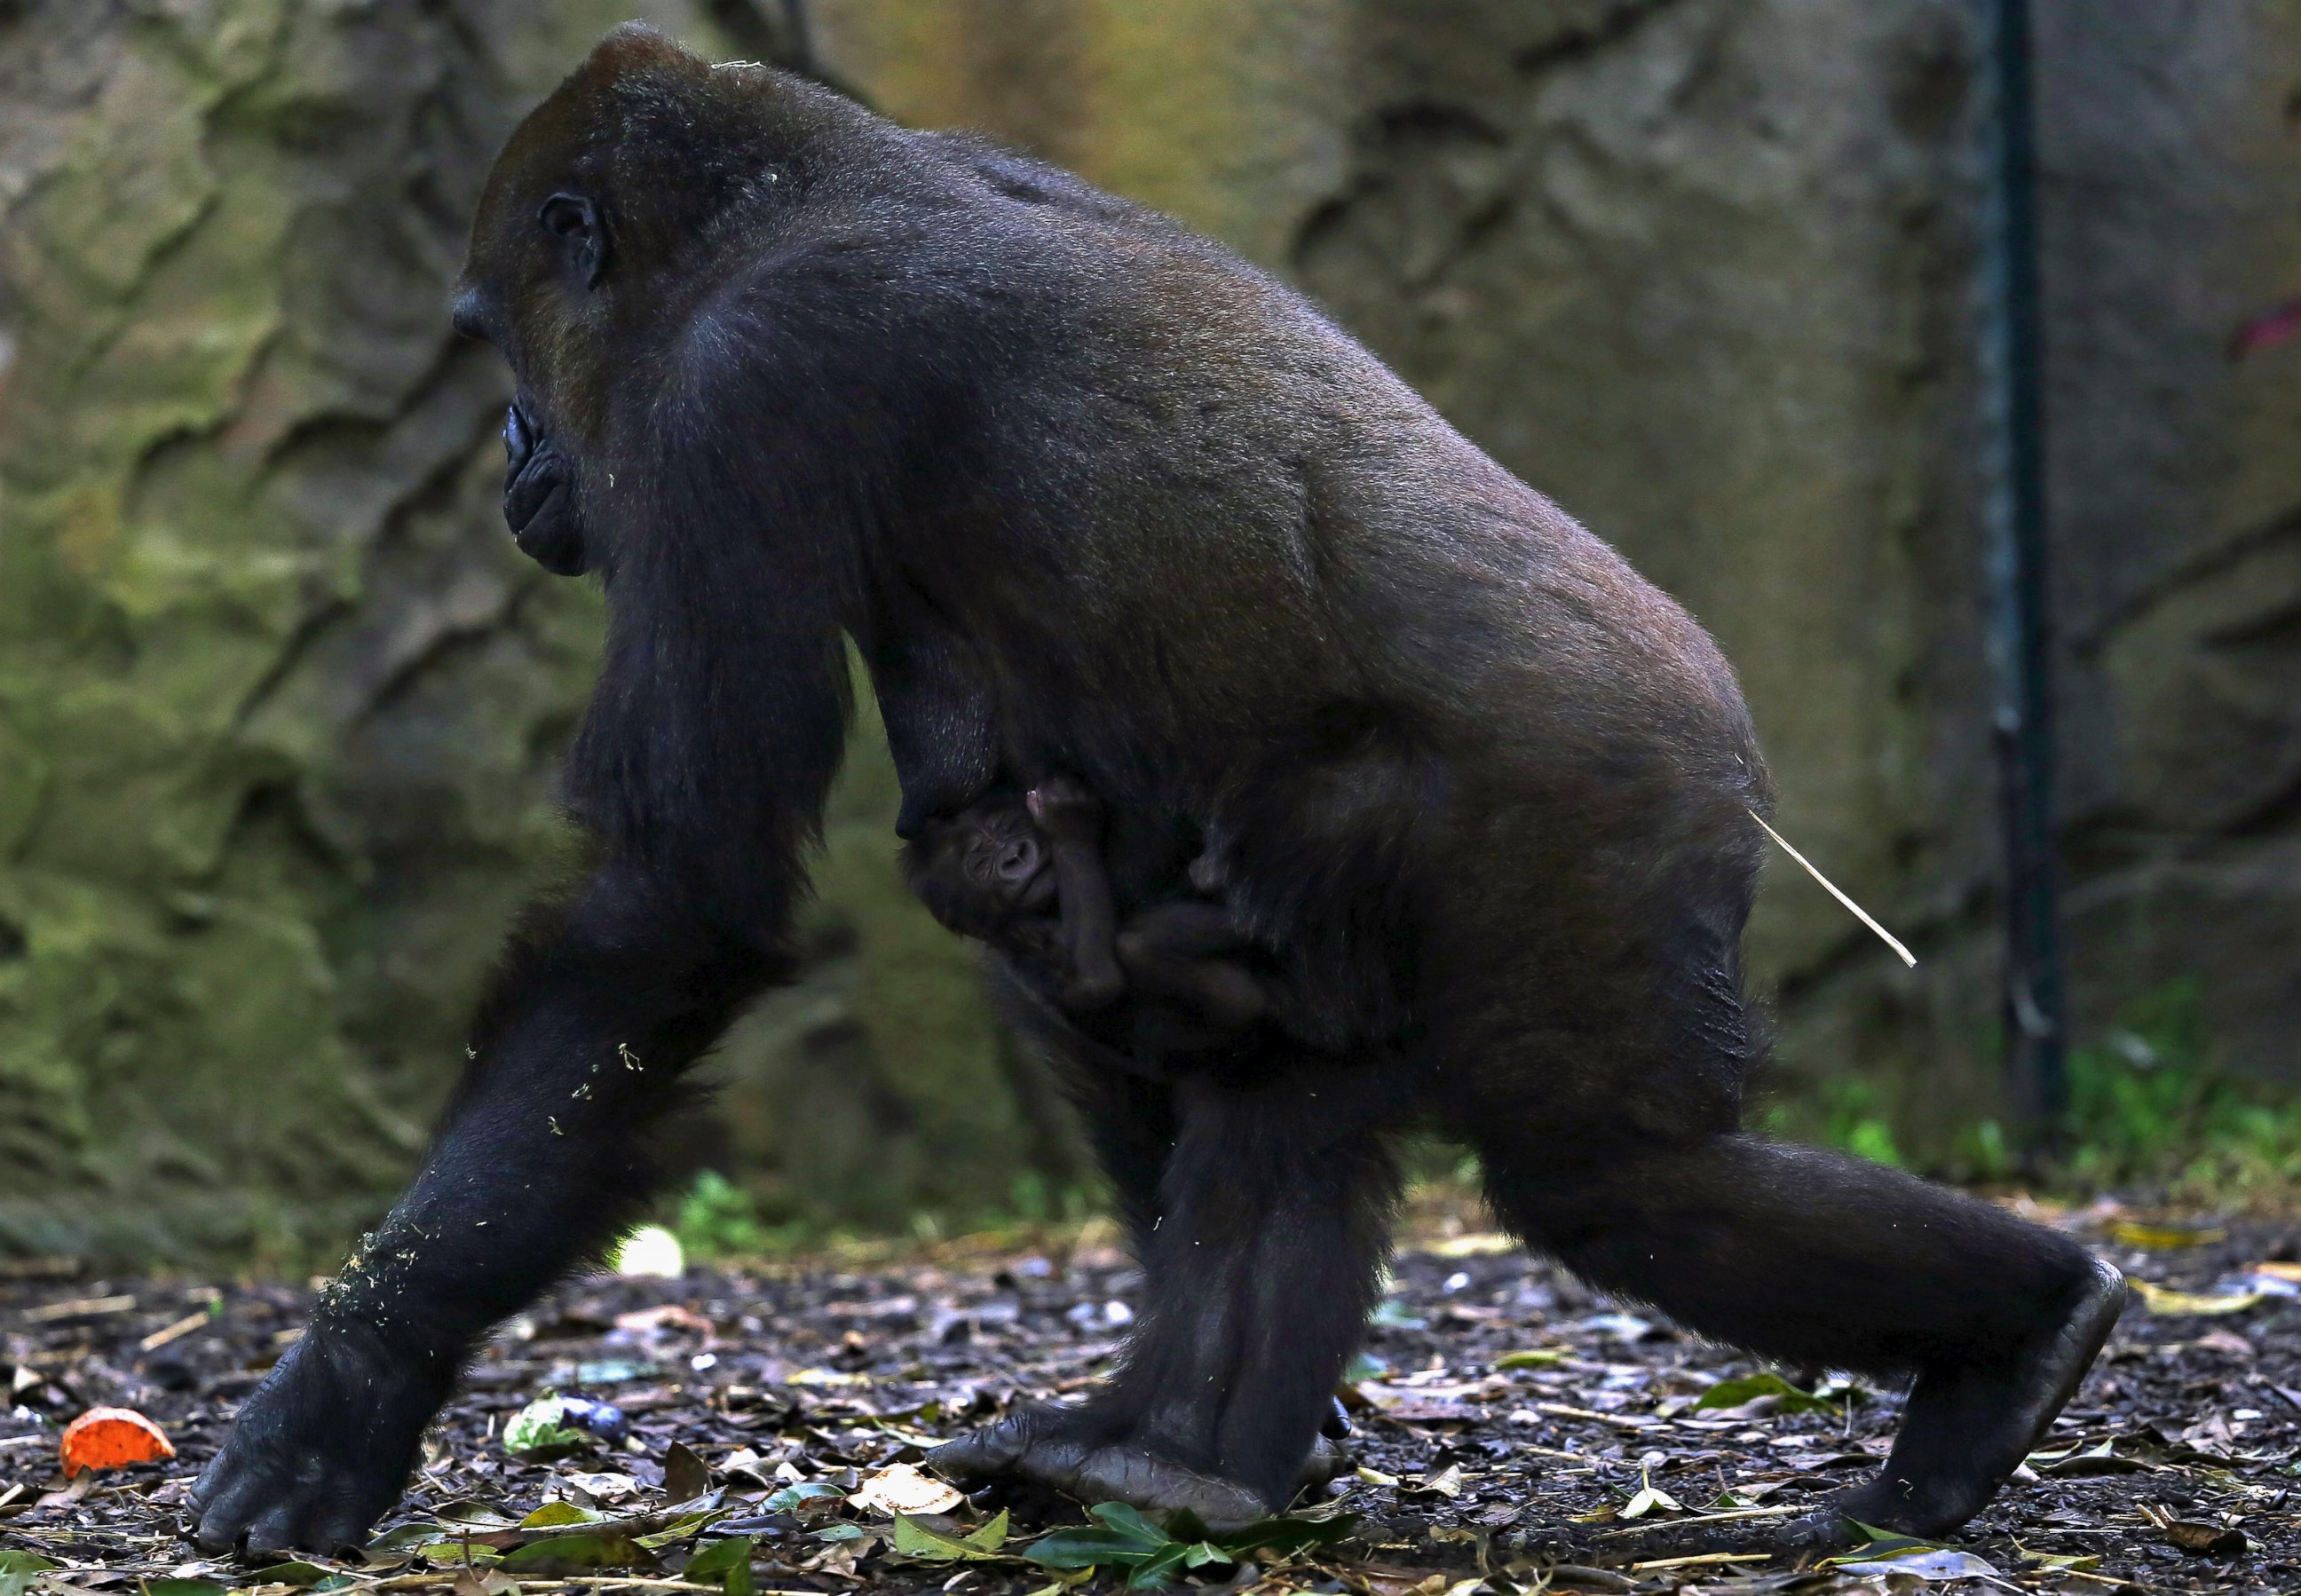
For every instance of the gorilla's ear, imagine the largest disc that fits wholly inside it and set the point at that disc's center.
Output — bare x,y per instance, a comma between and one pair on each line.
577,234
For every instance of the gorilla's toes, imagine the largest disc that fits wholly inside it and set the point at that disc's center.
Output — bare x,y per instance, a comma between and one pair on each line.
1046,1445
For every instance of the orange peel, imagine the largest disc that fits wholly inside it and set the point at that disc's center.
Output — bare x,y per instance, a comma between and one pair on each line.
105,1437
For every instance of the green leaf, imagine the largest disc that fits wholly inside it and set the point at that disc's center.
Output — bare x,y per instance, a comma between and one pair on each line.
479,1515
1749,1388
1531,1358
915,1540
726,1563
576,1554
403,1537
790,1497
18,1569
1159,1567
289,1574
1129,1521
453,1553
552,1515
184,1587
980,1544
1085,1549
1883,1543
1287,1534
689,1526
1122,1538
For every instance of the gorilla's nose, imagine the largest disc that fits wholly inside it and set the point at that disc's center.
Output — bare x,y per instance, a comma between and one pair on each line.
519,439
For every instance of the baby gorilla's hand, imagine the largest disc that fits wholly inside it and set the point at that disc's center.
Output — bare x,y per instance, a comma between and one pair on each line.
1067,810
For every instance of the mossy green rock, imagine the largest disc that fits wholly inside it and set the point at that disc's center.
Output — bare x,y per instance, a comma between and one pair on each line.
280,704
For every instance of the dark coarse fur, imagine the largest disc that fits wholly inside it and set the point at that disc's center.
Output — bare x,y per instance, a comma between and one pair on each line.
1092,495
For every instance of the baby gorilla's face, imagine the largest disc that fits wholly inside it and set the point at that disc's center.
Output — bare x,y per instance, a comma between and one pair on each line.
1005,859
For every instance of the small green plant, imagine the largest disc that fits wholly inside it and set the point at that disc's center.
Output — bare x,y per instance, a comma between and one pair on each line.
1857,1124
2150,1104
718,1219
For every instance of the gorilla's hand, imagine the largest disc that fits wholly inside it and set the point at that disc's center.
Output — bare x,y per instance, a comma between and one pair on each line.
321,1449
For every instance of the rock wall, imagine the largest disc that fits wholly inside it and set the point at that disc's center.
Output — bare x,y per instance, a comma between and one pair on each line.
2171,166
1703,271
280,704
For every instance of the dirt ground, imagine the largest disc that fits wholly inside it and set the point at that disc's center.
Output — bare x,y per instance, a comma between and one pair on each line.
1512,1432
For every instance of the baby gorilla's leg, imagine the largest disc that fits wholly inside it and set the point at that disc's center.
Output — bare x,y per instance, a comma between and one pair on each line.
1071,817
1174,950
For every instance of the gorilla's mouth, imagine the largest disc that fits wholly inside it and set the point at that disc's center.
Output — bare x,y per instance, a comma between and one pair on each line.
528,498
537,504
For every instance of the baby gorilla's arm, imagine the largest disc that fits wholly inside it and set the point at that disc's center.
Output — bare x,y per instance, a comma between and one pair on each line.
1071,817
1174,950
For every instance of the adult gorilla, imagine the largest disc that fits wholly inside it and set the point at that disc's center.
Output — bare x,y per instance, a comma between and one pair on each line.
1095,497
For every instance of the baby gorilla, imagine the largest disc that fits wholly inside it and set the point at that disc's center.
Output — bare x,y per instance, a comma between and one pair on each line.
1024,872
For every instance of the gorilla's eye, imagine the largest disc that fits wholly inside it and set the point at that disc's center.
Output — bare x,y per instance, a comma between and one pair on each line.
573,223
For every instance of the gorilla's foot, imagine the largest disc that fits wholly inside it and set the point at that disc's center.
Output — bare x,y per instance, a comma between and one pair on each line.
1066,1450
1967,1430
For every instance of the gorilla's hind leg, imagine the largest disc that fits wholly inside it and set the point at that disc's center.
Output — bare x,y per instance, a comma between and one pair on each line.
1271,1221
1821,1259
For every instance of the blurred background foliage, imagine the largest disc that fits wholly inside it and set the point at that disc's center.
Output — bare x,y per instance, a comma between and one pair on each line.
278,703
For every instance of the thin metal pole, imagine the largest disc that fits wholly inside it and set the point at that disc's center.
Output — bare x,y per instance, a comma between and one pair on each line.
2020,619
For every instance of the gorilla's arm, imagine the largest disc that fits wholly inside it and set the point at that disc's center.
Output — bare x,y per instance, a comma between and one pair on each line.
942,721
700,773
540,1160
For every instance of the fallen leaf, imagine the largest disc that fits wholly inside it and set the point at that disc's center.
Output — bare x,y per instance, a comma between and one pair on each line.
2165,1300
901,1491
685,1476
582,1553
2062,1562
2134,1233
1413,1406
104,1438
1531,1358
1938,1562
20,1569
915,1540
553,1515
2206,1539
299,1575
1749,1389
2075,1465
726,1564
1447,1482
1649,1500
